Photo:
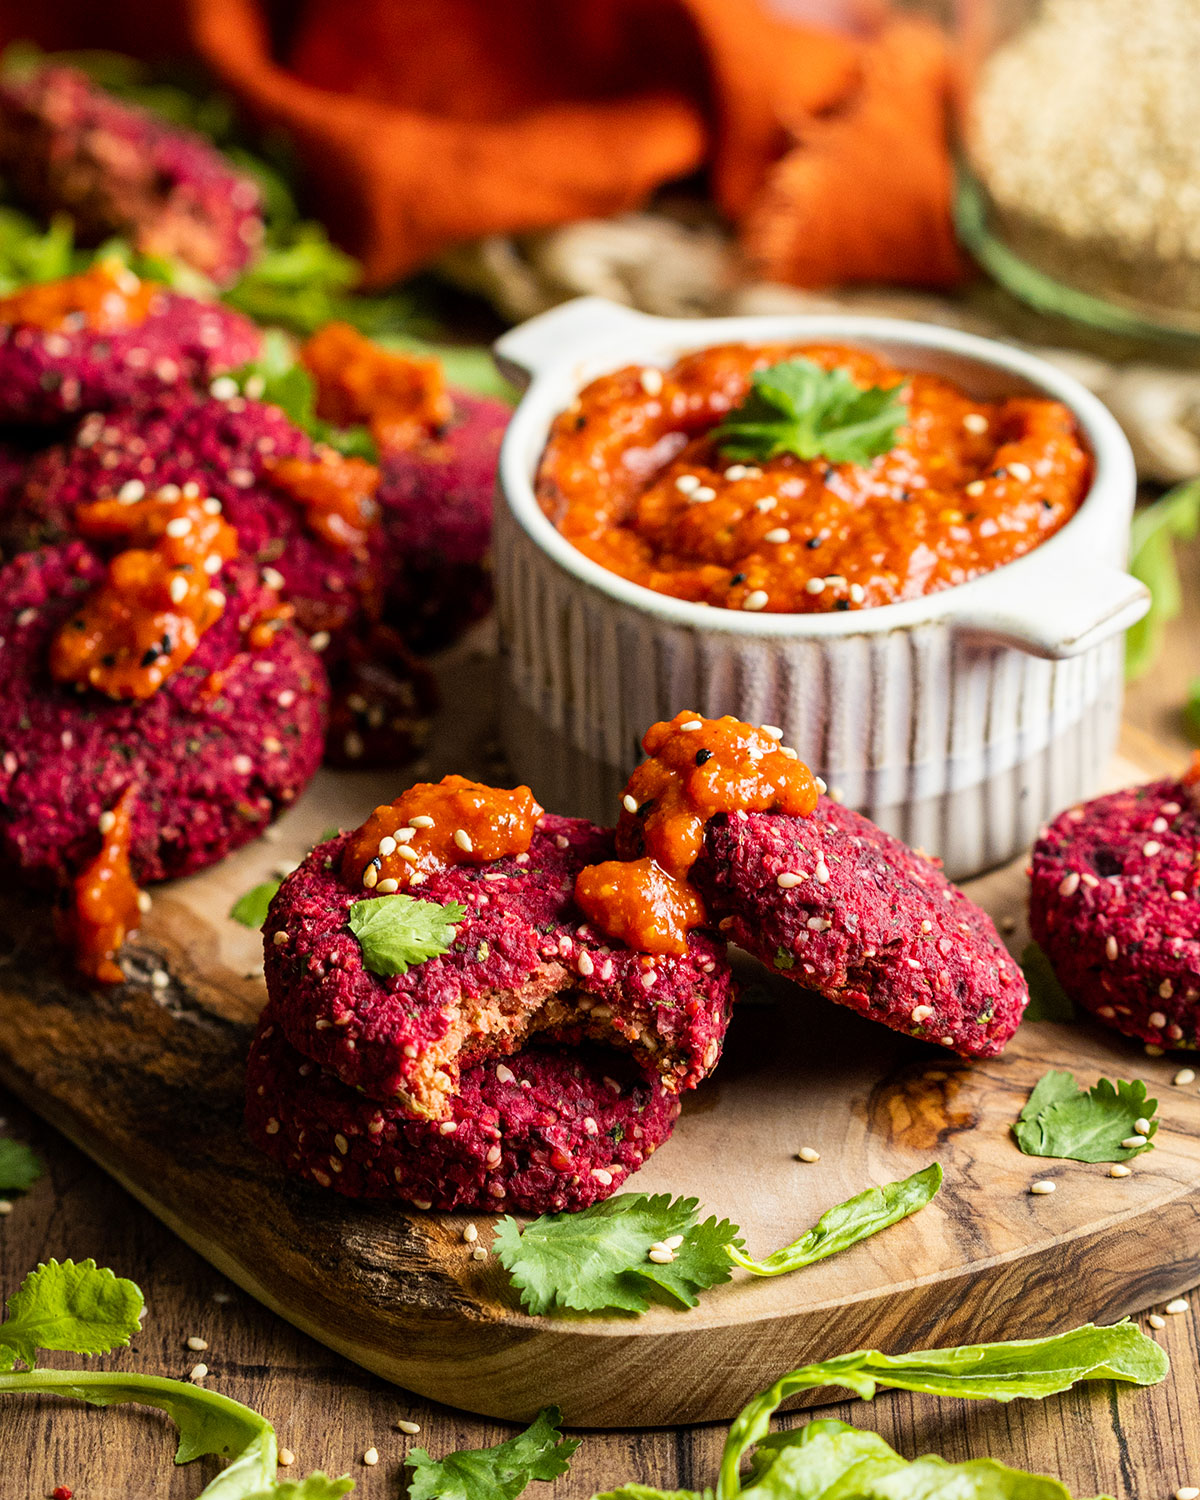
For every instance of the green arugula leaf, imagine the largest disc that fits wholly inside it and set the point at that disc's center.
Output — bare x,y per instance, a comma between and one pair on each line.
500,1473
799,407
1152,538
831,1458
1048,1001
1075,1124
847,1223
1029,1368
20,1167
598,1259
250,909
396,932
65,1305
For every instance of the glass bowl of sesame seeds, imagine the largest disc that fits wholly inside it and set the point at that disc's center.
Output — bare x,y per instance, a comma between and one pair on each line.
1079,129
957,719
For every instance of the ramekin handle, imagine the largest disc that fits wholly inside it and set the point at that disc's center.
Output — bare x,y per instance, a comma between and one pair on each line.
1056,612
564,331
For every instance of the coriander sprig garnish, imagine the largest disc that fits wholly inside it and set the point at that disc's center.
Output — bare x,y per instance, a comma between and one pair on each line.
800,408
1109,1122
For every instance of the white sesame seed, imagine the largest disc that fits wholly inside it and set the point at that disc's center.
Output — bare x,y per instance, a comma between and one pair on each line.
857,593
1042,1187
704,494
652,381
815,586
388,887
505,1074
772,731
921,1014
178,588
777,535
319,640
1187,1492
673,1241
690,725
371,877
1133,1142
976,487
5,1206
1151,847
686,483
131,491
822,872
405,835
1119,1169
1142,1126
404,1425
585,965
178,526
387,845
1069,884
197,1343
1184,1076
197,1372
1021,472
926,925
1179,1305
1157,1019
273,578
787,880
601,1176
629,803
755,600
479,1253
242,764
975,421
107,821
767,503
371,1457
463,839
144,902
286,1458
1156,1320
818,924
660,1255
1112,949
807,1153
407,853
160,979
735,472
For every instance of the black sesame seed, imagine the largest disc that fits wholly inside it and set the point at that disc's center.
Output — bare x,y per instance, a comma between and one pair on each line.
813,541
841,604
1000,473
703,756
1047,505
150,657
580,422
645,808
737,578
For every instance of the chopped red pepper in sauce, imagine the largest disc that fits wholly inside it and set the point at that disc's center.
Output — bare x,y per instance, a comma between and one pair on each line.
697,769
402,398
106,896
146,619
105,298
335,494
435,825
632,477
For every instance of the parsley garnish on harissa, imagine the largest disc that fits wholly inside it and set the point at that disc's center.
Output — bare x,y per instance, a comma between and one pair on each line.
799,407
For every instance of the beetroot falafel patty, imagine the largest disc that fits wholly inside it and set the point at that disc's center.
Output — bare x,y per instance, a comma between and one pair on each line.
66,144
227,448
226,742
1115,904
50,375
523,960
543,1130
849,912
435,502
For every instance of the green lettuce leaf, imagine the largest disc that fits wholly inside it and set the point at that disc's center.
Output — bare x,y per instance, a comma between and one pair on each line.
251,908
500,1473
1048,1001
1029,1368
316,1486
20,1167
847,1223
798,407
598,1259
72,1306
396,932
277,376
1152,538
1069,1123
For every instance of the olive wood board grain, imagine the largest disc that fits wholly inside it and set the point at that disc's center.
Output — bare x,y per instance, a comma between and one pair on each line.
147,1077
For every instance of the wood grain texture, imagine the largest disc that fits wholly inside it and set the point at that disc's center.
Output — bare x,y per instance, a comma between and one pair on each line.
147,1078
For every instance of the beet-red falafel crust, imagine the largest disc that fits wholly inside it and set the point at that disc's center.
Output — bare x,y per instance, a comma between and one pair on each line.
1115,904
849,912
523,961
66,144
544,1130
224,744
50,375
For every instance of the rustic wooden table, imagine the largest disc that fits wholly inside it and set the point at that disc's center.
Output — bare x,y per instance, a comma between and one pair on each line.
1130,1444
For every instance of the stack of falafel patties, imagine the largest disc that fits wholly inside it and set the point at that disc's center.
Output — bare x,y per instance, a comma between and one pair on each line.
532,1067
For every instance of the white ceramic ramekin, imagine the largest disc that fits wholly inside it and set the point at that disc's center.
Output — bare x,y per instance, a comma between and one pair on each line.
959,721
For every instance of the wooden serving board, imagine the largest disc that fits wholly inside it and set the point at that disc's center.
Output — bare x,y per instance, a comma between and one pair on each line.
147,1078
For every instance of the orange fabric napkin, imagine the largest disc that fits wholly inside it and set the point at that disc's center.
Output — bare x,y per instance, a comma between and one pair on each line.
422,123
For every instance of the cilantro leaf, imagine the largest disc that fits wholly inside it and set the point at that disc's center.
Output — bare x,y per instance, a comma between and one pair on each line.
279,378
847,1223
1029,1368
1155,530
828,1457
250,909
20,1167
396,932
598,1258
799,407
499,1473
1084,1124
1048,1001
64,1305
